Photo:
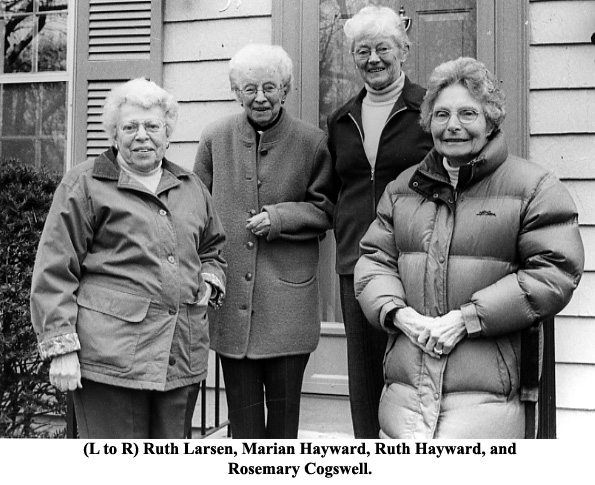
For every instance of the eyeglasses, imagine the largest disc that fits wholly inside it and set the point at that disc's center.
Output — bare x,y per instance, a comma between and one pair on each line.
465,116
267,90
151,126
364,53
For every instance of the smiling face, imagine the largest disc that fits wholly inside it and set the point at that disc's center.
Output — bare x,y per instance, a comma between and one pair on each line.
379,71
262,108
141,150
459,143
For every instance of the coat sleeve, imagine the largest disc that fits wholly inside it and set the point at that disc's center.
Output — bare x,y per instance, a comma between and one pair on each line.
66,236
212,241
312,217
378,286
203,162
551,258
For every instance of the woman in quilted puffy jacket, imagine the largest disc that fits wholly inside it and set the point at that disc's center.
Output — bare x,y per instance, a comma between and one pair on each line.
468,249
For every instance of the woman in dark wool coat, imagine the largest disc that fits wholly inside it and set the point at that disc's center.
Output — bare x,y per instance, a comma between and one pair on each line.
269,175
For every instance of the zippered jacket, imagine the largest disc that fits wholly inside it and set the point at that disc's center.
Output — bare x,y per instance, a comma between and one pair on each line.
120,275
504,248
402,144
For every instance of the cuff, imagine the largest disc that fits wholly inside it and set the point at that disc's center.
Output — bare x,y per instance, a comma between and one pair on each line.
472,323
60,345
218,293
389,325
275,230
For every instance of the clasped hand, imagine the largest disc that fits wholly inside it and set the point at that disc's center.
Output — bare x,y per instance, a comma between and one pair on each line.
435,336
260,224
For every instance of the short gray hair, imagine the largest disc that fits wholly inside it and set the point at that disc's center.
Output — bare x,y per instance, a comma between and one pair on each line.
139,92
375,21
261,55
480,82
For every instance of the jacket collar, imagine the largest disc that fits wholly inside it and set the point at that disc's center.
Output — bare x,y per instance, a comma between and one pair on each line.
431,169
271,135
106,166
407,100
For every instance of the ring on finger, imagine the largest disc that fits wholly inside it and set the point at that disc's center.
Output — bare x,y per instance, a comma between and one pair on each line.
438,351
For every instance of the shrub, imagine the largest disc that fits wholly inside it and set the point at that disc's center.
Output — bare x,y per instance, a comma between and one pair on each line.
25,198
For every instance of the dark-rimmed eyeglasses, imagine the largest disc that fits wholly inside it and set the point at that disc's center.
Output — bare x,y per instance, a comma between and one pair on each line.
465,116
151,126
364,53
267,90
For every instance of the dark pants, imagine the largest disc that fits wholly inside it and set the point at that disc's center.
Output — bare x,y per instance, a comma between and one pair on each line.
365,356
249,382
113,412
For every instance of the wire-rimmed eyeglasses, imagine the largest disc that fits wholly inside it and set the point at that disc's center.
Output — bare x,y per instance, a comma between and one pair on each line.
267,89
364,53
465,116
151,126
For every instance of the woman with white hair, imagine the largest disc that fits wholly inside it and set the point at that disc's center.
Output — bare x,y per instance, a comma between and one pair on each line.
129,259
372,139
270,176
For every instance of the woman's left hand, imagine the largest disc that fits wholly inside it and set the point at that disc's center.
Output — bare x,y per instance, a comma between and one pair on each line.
444,333
260,224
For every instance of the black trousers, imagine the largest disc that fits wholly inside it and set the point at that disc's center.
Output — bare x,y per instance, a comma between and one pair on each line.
113,412
250,383
365,356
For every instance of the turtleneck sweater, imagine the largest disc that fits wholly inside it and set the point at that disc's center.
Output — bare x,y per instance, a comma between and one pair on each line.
148,179
453,172
376,106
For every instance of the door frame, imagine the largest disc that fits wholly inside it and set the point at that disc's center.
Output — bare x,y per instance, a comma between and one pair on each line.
502,45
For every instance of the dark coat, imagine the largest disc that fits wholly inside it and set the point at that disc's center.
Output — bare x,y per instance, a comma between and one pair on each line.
505,249
402,144
271,307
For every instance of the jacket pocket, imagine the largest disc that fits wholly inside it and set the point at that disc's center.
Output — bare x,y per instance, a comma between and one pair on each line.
198,324
299,284
108,326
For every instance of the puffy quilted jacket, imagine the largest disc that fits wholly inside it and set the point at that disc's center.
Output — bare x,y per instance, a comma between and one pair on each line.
505,248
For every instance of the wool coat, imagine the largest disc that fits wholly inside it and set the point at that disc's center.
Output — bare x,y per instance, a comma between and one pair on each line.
505,249
403,143
271,307
120,275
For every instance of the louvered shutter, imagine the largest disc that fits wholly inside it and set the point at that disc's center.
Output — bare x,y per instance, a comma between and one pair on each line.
116,41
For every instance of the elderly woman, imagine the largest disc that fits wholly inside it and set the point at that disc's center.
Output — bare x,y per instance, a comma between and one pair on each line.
468,249
372,139
129,258
269,174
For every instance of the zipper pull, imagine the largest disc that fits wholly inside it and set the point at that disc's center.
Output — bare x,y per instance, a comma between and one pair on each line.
372,177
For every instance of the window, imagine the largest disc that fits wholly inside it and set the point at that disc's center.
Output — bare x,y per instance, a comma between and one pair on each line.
33,82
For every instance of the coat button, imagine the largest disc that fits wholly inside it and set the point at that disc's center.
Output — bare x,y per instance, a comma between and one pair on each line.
162,212
259,183
435,196
252,212
172,311
250,245
415,184
436,396
441,259
243,306
264,152
172,360
171,259
248,276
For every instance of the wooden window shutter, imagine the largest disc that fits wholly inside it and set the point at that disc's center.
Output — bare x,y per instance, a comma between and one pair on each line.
115,41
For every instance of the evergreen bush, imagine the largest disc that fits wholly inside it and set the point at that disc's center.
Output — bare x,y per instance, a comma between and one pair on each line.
26,394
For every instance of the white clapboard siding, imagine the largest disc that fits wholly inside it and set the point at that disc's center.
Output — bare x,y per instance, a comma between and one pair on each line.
190,10
574,386
562,111
562,66
582,303
562,22
213,39
583,193
575,340
198,81
195,116
568,156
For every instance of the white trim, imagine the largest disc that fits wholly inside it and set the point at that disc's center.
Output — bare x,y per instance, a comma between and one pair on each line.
70,57
34,77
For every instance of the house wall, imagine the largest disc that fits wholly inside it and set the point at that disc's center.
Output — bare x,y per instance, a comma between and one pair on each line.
199,40
562,137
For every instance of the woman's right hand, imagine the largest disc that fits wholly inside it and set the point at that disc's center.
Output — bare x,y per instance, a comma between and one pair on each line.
414,325
65,372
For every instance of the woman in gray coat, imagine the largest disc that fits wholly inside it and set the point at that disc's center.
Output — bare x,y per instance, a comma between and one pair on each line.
269,175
